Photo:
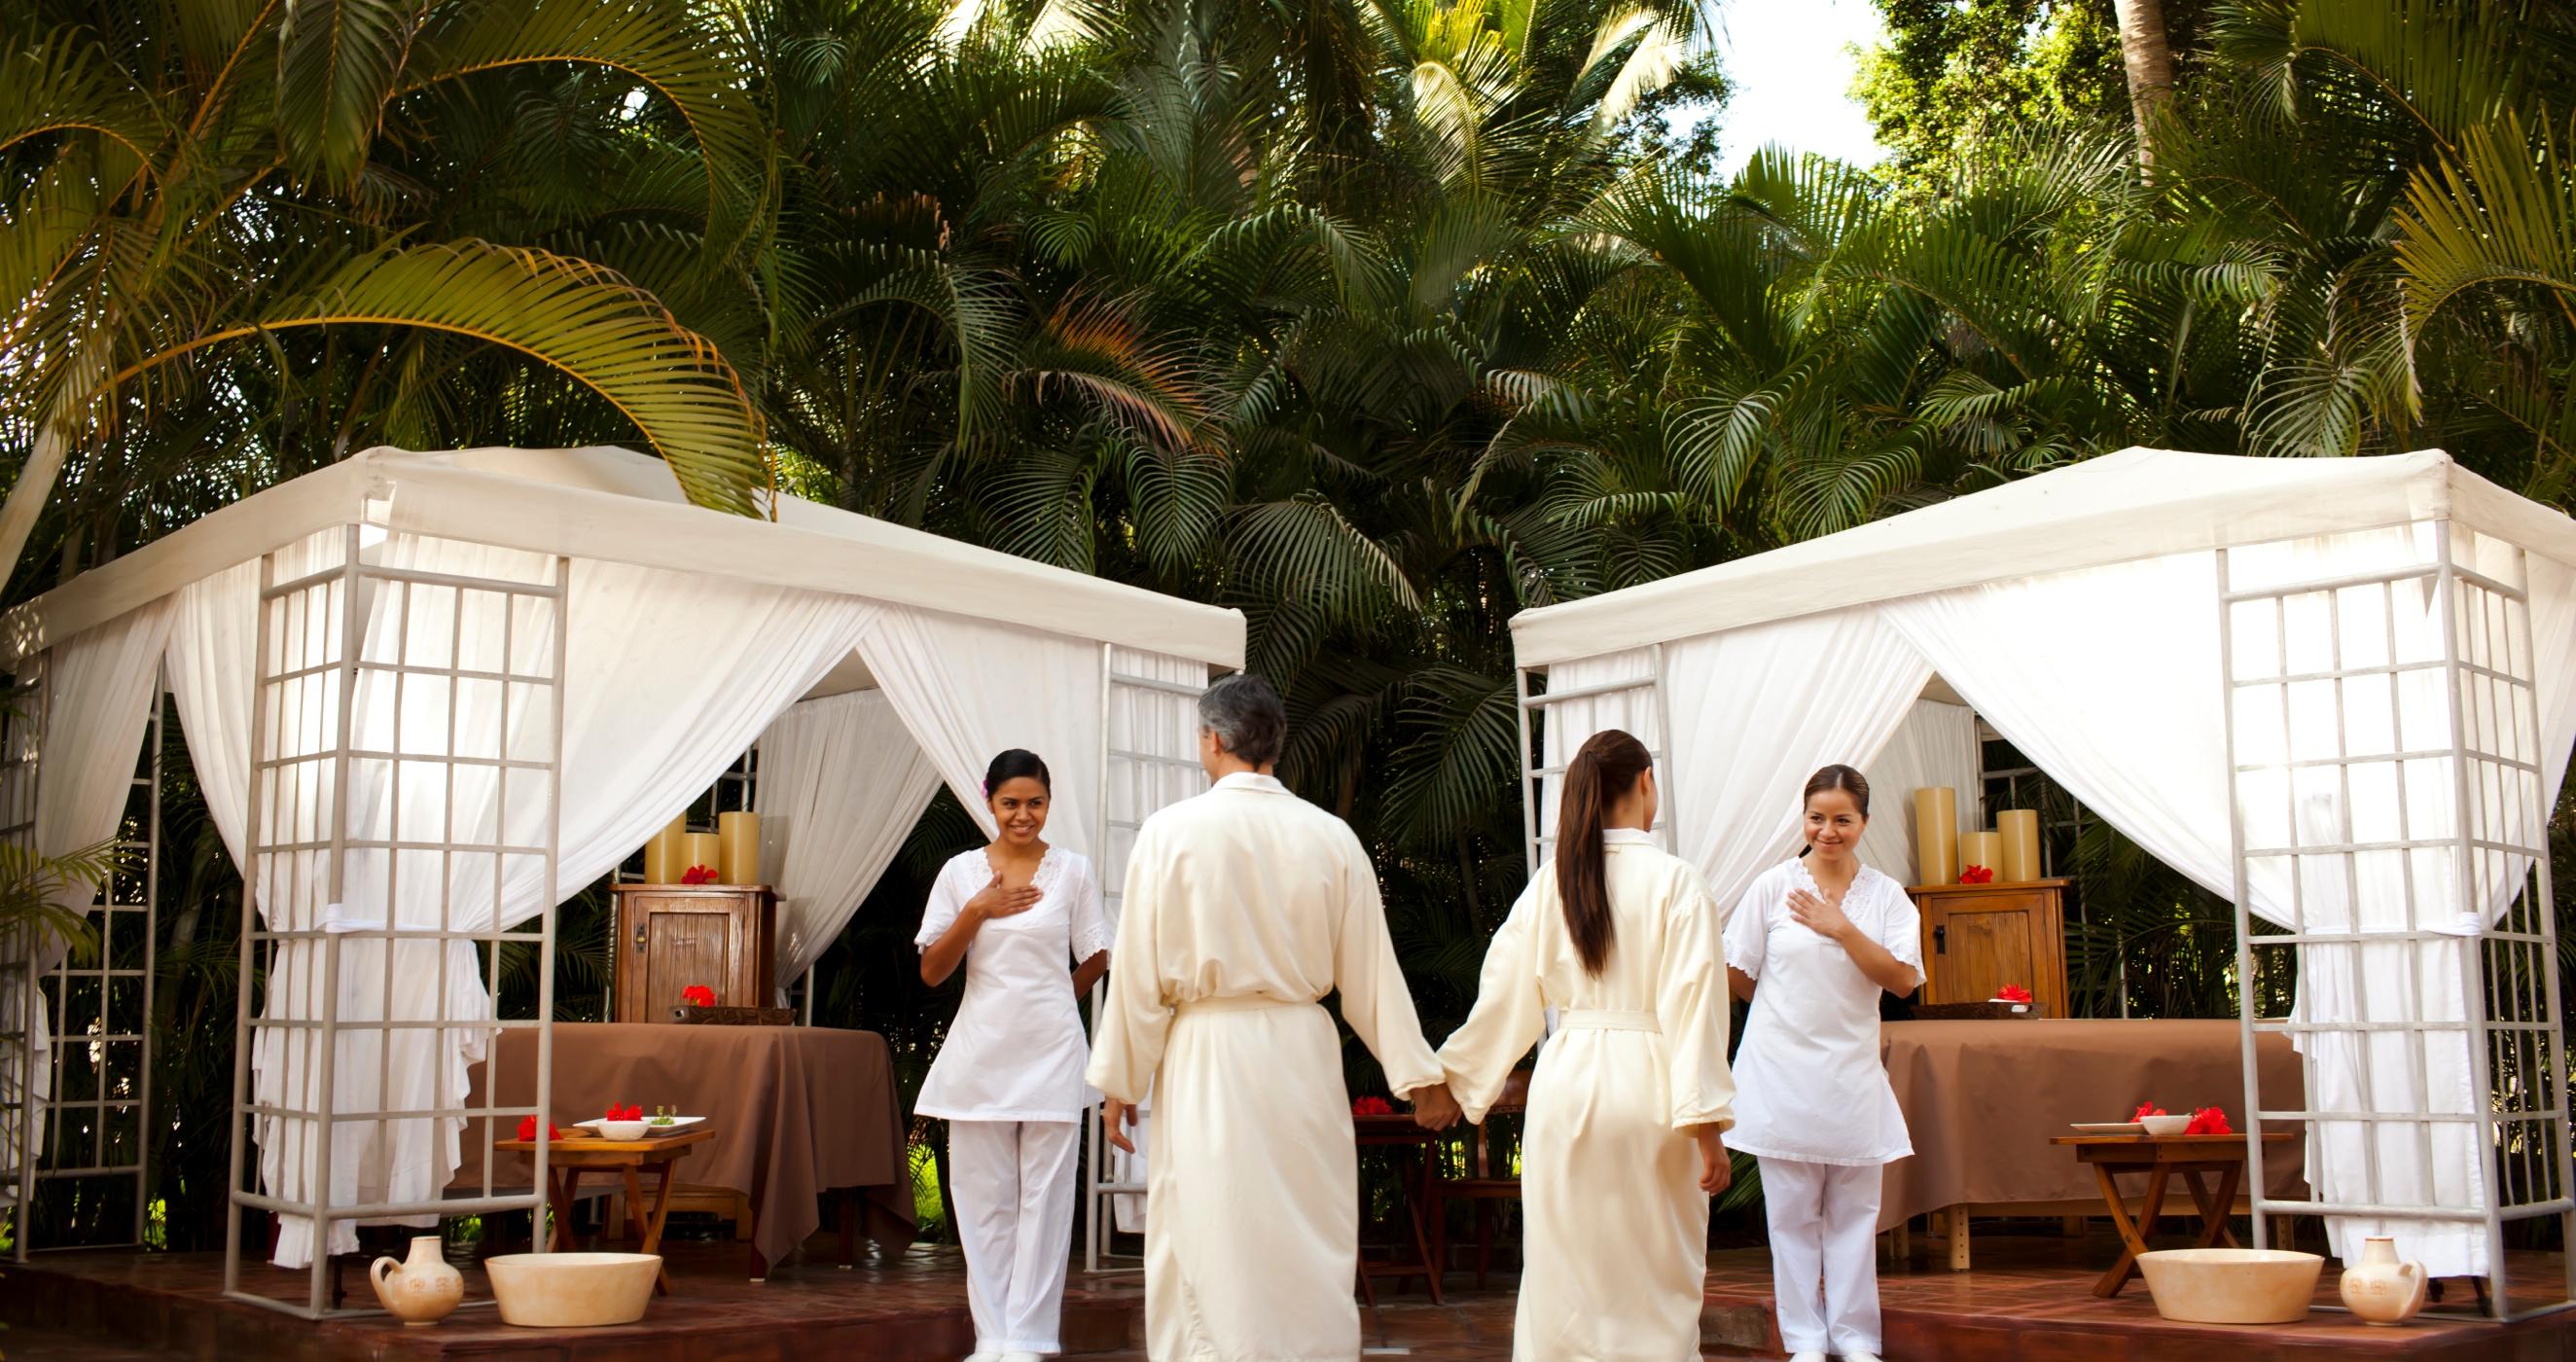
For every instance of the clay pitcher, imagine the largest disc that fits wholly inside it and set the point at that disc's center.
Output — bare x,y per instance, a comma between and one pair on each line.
2380,1289
422,1289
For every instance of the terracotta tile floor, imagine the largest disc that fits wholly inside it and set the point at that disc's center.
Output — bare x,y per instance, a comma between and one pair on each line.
2028,1298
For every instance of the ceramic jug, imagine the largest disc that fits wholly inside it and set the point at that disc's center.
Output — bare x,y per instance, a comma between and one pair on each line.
2380,1289
422,1289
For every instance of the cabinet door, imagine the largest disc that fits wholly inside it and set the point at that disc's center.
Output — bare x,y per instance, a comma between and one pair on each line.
686,943
1979,944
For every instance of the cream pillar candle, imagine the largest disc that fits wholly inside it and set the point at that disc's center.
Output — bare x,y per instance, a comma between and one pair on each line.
701,849
740,835
2019,829
1936,835
1981,848
662,863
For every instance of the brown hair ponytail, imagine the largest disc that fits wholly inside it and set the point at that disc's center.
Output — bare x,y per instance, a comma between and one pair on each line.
1603,770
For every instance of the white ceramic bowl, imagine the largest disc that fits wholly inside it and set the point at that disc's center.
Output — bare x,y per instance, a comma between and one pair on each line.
572,1290
2229,1286
2165,1125
620,1130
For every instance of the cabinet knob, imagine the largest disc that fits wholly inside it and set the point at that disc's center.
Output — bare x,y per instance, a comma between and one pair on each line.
1940,940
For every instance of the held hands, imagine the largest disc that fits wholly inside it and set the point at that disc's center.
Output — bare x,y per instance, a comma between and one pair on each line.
1824,917
1116,1119
1433,1107
994,901
1716,1172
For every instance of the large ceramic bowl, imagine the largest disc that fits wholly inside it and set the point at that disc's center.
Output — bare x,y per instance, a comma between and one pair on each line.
572,1290
2229,1286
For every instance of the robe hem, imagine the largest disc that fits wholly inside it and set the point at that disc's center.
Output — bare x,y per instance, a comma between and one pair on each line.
1861,1161
1001,1117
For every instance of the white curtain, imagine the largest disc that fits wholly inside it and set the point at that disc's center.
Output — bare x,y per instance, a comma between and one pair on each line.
969,690
1935,747
841,785
668,677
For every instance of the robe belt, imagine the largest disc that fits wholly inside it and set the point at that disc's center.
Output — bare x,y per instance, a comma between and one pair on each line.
1241,1002
1605,1019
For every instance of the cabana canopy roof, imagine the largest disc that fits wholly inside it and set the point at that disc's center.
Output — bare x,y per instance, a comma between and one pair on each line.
619,506
2136,504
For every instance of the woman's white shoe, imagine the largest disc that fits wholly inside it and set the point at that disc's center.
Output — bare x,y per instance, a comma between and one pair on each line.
1860,1357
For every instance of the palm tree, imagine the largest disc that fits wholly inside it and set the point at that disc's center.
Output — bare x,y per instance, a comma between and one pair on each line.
196,187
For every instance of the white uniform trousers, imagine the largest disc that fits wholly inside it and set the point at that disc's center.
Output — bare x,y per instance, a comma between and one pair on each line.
1824,1254
1014,1186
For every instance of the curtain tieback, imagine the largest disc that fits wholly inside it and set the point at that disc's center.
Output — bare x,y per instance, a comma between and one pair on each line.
1605,1019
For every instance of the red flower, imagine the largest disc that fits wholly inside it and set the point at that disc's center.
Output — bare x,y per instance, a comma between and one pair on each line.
2013,993
2208,1121
624,1113
1372,1106
2147,1109
698,995
1976,874
697,874
528,1129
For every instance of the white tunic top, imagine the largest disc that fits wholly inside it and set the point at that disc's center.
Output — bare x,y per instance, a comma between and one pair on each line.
1016,1051
1809,1082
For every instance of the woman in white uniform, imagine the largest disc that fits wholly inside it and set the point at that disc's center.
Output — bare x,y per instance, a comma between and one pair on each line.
1622,1149
1027,921
1822,936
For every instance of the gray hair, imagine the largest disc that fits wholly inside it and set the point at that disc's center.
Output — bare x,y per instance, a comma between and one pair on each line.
1245,715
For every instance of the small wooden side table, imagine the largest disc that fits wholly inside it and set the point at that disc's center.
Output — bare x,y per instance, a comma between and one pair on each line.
1407,1144
2161,1157
570,1158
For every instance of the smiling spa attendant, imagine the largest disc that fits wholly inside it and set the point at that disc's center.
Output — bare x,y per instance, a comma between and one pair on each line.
1822,936
1026,920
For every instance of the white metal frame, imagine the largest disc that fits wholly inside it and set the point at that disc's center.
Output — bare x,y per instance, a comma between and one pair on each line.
1148,759
112,1111
311,660
1538,766
2510,990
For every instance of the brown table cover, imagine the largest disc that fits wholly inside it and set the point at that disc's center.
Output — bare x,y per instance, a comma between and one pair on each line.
1983,1098
796,1110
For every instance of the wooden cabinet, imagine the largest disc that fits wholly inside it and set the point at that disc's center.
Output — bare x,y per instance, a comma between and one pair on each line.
670,936
1979,937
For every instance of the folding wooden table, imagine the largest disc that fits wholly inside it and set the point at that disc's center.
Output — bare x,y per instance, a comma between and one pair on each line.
569,1158
2161,1157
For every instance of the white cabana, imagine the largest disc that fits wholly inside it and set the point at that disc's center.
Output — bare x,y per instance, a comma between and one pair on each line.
2340,692
431,695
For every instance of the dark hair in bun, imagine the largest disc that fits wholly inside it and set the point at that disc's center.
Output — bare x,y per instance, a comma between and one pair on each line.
1012,765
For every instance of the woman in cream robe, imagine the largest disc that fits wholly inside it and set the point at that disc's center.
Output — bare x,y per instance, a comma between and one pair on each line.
1620,1153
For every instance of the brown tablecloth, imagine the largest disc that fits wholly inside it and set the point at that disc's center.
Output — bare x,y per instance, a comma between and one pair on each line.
1983,1098
796,1110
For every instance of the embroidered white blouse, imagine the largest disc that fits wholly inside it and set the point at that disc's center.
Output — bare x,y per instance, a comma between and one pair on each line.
1809,1082
1016,1051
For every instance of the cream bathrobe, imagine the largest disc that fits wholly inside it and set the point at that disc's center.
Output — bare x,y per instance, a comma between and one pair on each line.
1244,907
1615,1262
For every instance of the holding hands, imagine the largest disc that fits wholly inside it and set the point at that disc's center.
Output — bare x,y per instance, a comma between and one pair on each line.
1822,916
994,901
1433,1107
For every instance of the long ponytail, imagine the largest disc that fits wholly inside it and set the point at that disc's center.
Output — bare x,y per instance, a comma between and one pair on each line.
1605,769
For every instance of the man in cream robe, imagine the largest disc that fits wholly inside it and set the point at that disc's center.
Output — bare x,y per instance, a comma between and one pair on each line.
1243,908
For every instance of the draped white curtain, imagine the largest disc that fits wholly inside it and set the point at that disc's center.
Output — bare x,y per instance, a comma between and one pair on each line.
968,690
841,784
1936,747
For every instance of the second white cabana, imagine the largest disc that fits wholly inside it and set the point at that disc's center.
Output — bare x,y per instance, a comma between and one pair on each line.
431,695
2341,693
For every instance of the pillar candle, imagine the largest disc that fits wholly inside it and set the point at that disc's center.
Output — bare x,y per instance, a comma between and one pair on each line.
662,863
701,849
1981,848
740,834
2020,830
1936,835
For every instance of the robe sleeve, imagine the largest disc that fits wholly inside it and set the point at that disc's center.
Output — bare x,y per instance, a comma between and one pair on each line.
947,900
1508,1017
1900,927
1374,999
1134,1020
1691,1000
1748,932
1091,933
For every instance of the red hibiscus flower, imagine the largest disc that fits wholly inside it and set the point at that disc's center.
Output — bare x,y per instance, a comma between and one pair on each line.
1372,1106
624,1113
1976,874
2208,1121
2147,1109
697,874
2013,993
528,1129
698,995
